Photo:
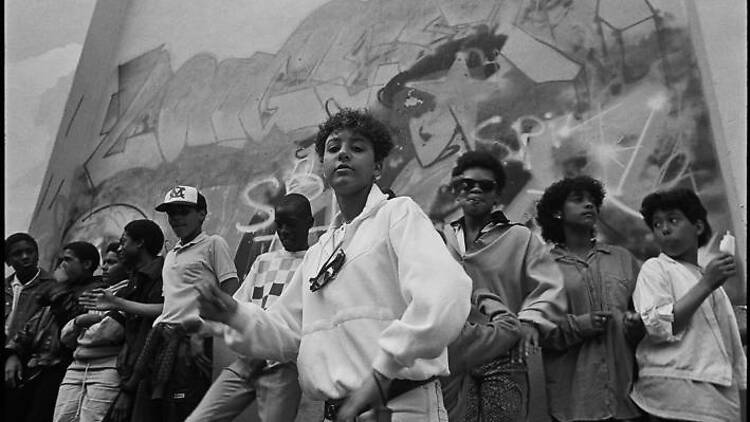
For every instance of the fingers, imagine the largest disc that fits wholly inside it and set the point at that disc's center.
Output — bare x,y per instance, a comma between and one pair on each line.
599,319
10,381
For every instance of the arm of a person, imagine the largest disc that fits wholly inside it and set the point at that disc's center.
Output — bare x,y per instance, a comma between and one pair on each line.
479,343
653,300
70,331
20,343
545,300
436,288
230,285
223,266
148,310
273,334
685,307
569,331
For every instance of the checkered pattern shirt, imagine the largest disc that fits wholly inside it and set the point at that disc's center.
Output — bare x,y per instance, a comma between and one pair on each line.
268,276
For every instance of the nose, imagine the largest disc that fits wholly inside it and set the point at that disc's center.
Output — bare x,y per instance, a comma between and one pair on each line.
665,230
344,153
475,188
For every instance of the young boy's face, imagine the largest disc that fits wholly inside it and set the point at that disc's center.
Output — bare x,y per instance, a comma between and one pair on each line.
23,257
185,220
110,260
476,191
292,229
674,233
579,210
349,162
71,268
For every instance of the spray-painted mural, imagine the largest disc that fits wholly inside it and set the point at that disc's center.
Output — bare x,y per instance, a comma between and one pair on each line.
554,88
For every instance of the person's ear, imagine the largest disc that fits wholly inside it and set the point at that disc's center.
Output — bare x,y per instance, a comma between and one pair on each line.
378,170
88,265
700,227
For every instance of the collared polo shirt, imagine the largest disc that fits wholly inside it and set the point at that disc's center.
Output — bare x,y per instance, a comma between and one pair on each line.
209,256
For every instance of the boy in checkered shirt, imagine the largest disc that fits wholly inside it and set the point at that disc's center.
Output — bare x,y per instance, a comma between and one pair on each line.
274,384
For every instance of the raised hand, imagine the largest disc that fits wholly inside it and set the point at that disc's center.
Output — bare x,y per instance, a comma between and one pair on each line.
719,270
213,303
99,300
13,371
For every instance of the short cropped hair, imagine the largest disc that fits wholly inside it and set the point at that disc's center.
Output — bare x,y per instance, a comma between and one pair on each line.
681,199
360,122
19,237
553,200
112,247
148,232
481,159
84,251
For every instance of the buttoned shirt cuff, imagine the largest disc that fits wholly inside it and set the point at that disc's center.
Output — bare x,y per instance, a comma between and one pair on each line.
658,321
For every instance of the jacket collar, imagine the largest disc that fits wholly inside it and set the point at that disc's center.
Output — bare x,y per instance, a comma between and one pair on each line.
497,218
375,199
560,253
179,245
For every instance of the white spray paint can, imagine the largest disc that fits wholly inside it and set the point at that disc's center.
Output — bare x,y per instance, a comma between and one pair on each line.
727,243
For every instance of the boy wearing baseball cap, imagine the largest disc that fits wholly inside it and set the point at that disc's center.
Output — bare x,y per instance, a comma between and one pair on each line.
178,339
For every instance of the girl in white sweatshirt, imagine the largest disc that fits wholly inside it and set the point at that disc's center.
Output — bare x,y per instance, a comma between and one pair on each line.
374,304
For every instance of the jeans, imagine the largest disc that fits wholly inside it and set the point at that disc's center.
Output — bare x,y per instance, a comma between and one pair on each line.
277,390
87,392
421,404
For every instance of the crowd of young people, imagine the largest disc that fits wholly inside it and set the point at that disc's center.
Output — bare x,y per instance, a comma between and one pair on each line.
384,317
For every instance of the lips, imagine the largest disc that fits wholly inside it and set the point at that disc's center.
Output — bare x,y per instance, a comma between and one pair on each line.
343,167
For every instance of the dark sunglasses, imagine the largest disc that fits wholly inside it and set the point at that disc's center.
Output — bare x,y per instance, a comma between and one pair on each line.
329,270
466,184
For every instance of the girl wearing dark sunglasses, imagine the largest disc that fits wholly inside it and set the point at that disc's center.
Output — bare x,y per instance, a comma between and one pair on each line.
371,310
508,260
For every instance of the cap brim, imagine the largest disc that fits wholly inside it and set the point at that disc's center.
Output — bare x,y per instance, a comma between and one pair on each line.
165,205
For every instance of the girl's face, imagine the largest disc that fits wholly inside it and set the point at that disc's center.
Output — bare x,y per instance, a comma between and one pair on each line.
579,210
349,162
675,234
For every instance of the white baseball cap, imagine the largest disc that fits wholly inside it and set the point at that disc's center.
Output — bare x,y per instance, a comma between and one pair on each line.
183,195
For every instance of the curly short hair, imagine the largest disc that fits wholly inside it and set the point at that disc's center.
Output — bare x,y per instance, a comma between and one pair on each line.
553,200
681,199
361,122
481,159
112,247
19,237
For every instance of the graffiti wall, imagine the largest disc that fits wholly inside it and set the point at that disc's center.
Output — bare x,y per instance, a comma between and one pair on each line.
553,88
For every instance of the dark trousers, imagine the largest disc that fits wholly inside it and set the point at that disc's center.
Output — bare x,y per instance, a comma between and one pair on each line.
178,377
34,400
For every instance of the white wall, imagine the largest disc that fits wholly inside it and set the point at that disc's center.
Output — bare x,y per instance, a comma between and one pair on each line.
722,57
